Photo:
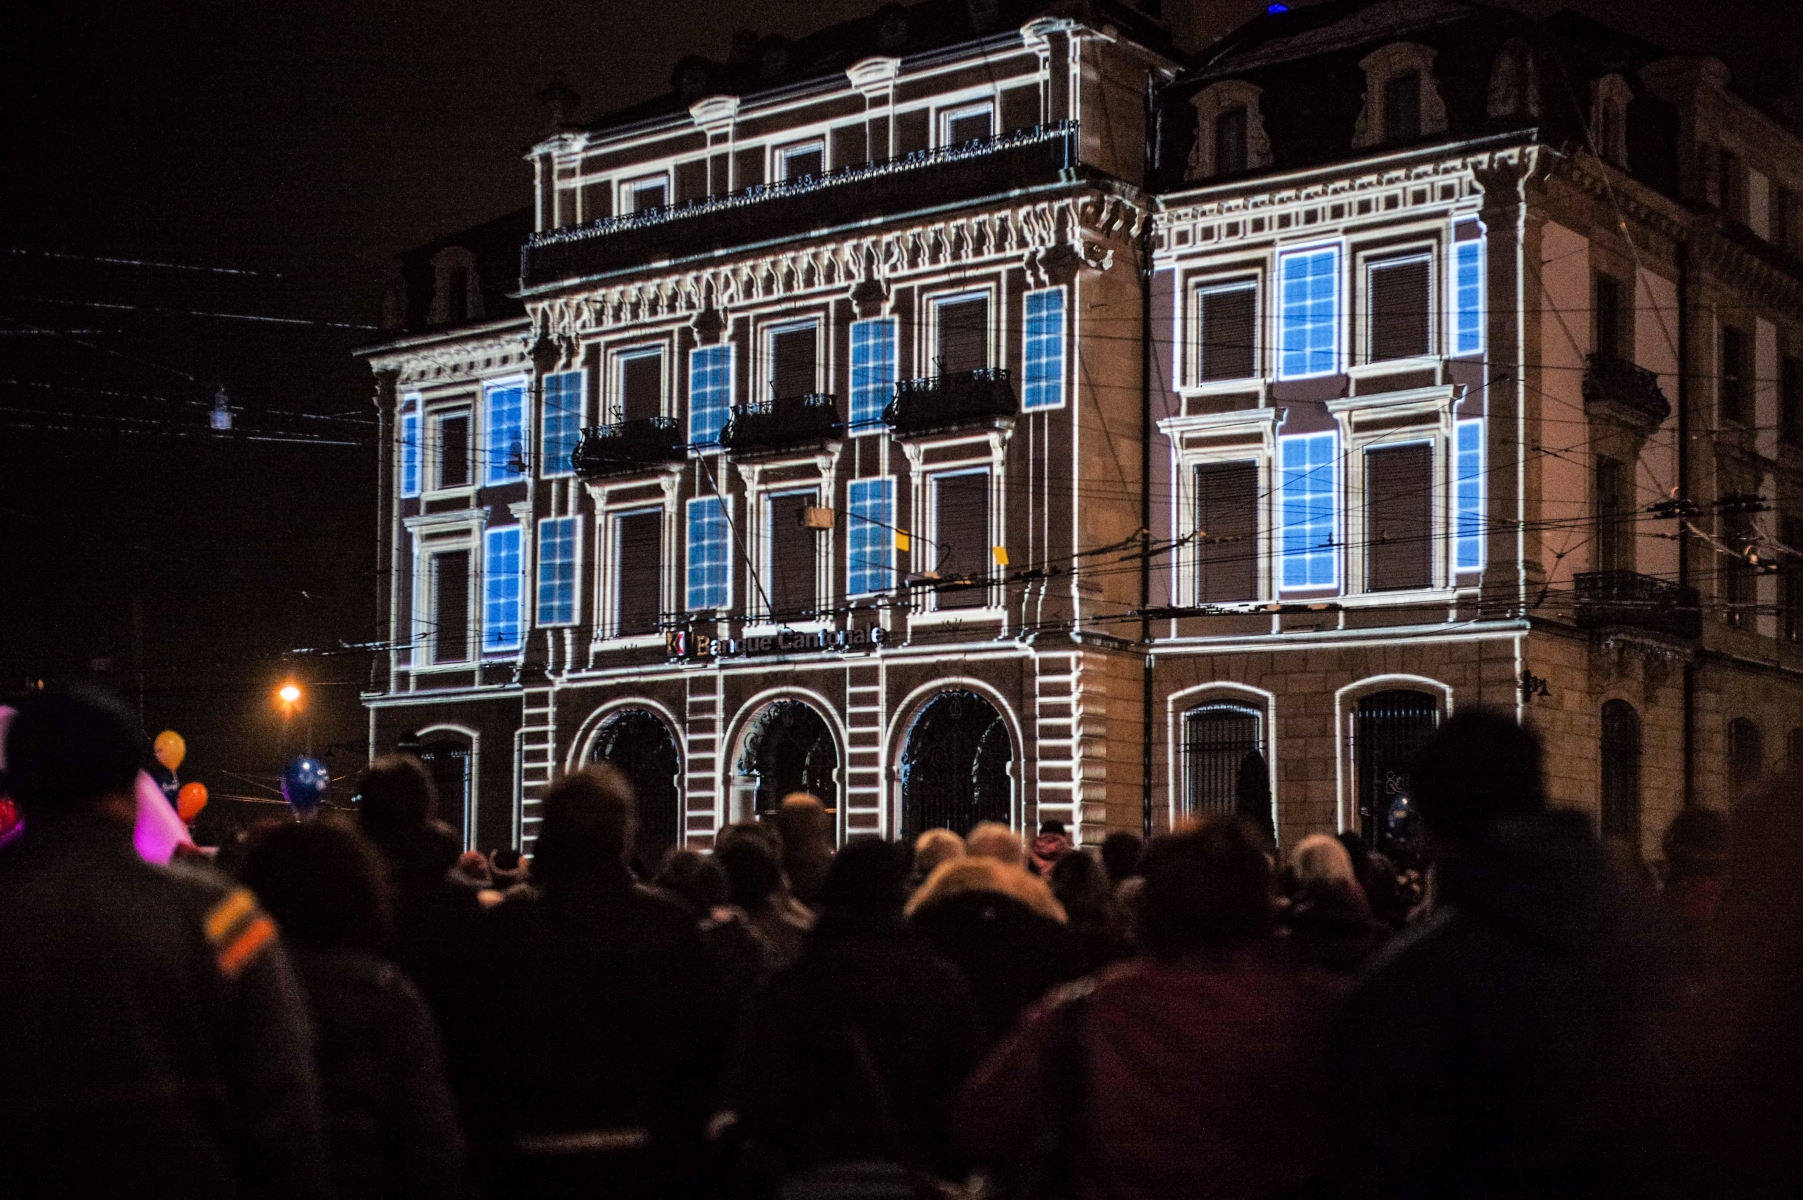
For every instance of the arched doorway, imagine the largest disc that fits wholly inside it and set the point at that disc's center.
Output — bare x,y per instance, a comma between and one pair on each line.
1224,765
637,744
1621,772
450,757
788,748
1387,729
954,769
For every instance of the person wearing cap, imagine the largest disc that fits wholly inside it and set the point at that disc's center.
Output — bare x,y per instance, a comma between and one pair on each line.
154,1041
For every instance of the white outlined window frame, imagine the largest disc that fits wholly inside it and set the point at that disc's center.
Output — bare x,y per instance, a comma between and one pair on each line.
432,450
430,540
1336,307
552,465
1036,344
1458,251
494,461
1232,280
410,467
763,597
613,403
781,156
935,302
1333,486
1244,435
491,603
627,201
690,563
764,386
947,114
614,572
930,487
1400,254
539,618
1385,419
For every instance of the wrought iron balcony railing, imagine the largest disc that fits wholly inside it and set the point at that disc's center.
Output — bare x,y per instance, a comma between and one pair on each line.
782,424
941,402
628,446
1607,377
1628,599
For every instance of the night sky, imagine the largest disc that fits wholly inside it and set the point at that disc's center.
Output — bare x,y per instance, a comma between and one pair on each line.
291,150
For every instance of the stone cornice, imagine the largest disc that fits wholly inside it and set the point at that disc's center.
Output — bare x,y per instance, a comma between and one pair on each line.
476,356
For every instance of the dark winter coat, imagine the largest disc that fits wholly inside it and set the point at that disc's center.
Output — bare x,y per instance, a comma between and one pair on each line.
1504,1046
153,1041
1010,954
393,1126
796,1080
1204,1076
435,916
1331,925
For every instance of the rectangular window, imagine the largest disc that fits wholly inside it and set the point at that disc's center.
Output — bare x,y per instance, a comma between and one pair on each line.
1043,386
1790,399
962,328
708,534
793,550
504,417
1402,108
967,124
451,606
1308,338
1735,392
1230,140
643,195
557,571
1733,185
1227,318
501,583
561,422
710,393
1468,496
1468,297
641,386
638,572
961,538
1308,490
1613,507
801,160
1399,518
410,453
1226,532
452,450
1399,293
870,535
1610,327
872,371
793,354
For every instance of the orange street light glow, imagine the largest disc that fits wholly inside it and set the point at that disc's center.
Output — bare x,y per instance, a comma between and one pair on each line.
289,693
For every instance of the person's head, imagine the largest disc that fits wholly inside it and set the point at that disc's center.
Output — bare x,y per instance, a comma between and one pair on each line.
1695,845
472,868
992,839
322,882
752,870
1120,855
73,747
1478,766
1051,829
1320,858
587,826
866,877
1358,853
694,878
394,794
934,847
505,864
1207,884
805,826
1080,882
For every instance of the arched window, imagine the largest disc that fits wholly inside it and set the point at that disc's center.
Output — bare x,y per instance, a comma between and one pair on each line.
1224,765
450,760
954,769
1746,756
1514,83
1402,99
638,745
1230,131
1387,729
1621,772
788,748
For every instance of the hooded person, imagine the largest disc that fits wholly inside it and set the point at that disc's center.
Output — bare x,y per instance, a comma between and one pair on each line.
1511,1042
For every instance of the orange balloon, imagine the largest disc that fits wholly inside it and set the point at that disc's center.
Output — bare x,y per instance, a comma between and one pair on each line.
190,800
170,749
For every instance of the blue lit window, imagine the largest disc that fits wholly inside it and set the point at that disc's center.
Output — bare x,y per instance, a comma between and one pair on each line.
562,423
504,452
1044,383
871,553
1308,483
1468,496
710,393
1309,300
708,536
410,453
557,571
501,589
872,371
1468,297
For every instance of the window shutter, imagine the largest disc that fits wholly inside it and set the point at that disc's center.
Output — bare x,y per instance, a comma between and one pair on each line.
792,362
1610,539
1229,316
963,335
1399,310
639,569
1227,532
451,606
641,386
1399,527
454,452
961,535
791,582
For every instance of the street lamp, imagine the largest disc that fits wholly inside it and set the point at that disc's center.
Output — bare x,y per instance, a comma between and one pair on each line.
290,696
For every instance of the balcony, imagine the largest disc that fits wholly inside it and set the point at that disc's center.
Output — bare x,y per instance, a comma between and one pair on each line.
853,195
1626,599
788,422
943,402
628,446
1615,380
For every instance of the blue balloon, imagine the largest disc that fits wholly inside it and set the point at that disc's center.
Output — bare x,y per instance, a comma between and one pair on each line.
1402,819
304,783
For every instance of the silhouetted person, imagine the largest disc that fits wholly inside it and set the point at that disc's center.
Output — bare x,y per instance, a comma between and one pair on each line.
749,856
1329,921
1052,843
1505,1045
153,1041
807,845
847,1059
930,849
1199,1071
393,1126
740,953
1696,864
1120,855
597,1023
1098,920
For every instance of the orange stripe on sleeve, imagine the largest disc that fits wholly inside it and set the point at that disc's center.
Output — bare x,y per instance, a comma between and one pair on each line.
236,956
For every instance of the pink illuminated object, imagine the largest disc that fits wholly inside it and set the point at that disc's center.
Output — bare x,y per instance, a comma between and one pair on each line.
159,829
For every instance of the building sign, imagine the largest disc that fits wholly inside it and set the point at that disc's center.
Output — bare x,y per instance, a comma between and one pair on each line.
686,643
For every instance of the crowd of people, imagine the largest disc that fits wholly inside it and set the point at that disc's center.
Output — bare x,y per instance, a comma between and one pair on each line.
357,1008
